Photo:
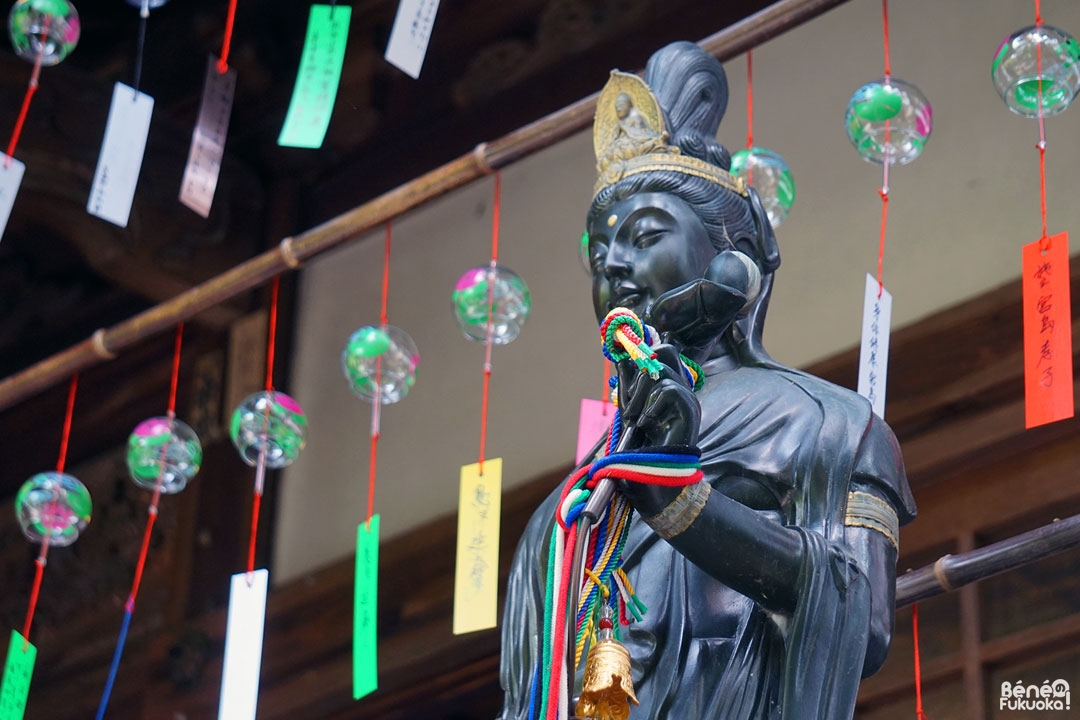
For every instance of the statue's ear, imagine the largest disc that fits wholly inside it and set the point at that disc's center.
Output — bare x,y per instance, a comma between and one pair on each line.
766,252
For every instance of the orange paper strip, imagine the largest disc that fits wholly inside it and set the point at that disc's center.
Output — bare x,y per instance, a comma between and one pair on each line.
1048,373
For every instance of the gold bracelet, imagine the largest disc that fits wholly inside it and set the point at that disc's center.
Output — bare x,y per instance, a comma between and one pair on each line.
870,511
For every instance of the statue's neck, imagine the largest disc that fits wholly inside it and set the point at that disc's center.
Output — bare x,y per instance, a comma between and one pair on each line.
721,357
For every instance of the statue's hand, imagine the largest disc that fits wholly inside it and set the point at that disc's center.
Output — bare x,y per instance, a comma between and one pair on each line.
657,412
694,315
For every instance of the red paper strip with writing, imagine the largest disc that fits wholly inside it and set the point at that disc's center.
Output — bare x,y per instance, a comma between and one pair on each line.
1048,372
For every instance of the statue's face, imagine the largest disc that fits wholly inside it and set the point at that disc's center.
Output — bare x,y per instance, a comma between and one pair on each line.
642,247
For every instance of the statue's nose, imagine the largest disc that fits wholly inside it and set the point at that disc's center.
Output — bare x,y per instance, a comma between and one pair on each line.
617,263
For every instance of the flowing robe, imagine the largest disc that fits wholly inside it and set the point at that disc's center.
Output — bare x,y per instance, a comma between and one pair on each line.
704,650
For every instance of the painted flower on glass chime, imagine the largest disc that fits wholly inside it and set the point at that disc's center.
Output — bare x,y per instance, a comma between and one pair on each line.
893,109
1039,53
508,296
271,423
769,175
45,28
163,451
54,505
380,360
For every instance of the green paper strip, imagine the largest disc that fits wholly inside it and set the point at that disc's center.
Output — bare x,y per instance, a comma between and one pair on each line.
365,606
317,82
17,671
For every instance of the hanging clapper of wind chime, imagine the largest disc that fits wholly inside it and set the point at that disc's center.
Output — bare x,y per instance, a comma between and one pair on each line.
491,303
269,429
163,455
888,121
43,32
53,508
380,363
1036,70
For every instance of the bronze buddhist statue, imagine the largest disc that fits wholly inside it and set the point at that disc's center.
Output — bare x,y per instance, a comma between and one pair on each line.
769,583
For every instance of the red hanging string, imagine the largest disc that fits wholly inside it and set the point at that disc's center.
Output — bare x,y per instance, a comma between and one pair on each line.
606,394
226,44
1044,241
919,714
884,191
272,333
39,569
175,369
749,112
61,461
385,274
749,99
260,468
31,88
885,33
376,405
152,510
35,589
254,532
490,326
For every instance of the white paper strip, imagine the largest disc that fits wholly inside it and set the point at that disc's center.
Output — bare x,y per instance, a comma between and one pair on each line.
874,350
410,34
243,646
11,174
208,139
121,155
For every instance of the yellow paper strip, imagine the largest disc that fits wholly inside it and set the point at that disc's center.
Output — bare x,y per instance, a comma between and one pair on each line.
476,582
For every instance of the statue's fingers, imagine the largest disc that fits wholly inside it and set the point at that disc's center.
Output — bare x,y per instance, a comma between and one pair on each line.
668,355
671,414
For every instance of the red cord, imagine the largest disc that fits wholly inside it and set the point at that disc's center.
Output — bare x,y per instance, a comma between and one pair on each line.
1044,241
559,643
490,325
254,531
919,714
272,333
175,380
226,44
376,401
884,193
21,119
66,433
484,415
31,88
35,589
385,274
885,32
143,551
749,99
371,475
495,218
606,394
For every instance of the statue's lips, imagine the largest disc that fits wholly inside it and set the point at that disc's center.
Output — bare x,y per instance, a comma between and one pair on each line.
627,296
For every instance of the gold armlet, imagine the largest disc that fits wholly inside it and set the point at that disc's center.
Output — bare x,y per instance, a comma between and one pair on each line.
870,511
681,512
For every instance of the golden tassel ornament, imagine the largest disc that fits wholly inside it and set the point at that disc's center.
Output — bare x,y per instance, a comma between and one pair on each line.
608,688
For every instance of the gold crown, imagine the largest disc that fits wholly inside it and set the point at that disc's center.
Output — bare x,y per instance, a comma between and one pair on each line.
629,138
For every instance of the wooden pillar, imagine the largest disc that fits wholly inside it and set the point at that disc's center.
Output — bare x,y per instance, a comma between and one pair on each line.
970,640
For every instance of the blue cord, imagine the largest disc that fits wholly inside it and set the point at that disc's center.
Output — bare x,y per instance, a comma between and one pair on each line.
115,665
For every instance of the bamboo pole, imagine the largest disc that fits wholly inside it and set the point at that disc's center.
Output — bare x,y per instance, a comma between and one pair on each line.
952,572
486,158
